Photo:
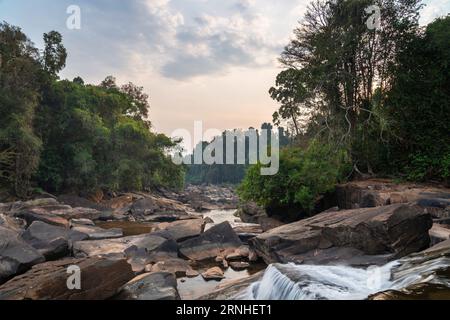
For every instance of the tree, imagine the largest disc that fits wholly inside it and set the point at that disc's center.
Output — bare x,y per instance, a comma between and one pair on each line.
55,54
336,65
19,94
419,105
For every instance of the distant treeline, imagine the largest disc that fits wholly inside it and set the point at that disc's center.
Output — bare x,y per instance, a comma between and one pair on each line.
232,173
67,136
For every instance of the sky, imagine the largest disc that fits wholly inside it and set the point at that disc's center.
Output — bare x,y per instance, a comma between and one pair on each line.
199,60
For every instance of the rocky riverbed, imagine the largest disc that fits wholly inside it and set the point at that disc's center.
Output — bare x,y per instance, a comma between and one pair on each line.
196,244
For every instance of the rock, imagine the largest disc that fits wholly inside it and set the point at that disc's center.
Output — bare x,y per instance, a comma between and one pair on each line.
96,233
230,289
359,235
39,214
439,233
192,273
81,222
11,223
157,206
250,212
51,241
212,243
100,279
119,202
183,230
16,256
151,286
124,246
239,254
238,266
179,267
213,274
378,192
79,202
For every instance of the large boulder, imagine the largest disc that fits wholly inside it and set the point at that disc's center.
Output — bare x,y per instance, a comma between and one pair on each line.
16,256
184,229
150,287
250,212
217,241
378,192
51,241
100,279
351,236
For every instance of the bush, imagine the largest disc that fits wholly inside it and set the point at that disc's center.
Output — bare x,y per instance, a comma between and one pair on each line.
304,175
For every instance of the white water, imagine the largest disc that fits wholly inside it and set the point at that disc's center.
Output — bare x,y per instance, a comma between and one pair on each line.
337,282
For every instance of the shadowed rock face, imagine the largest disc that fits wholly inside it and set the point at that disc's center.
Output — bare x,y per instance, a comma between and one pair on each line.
212,243
51,241
100,279
333,237
16,256
151,286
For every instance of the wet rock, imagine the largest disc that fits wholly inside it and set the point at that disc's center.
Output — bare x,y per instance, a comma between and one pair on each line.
359,234
100,279
51,241
151,286
213,274
183,230
16,256
230,289
212,243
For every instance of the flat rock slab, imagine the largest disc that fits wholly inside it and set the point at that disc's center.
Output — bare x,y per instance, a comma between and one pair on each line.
184,229
179,267
97,233
16,256
151,287
120,246
397,230
51,241
43,215
100,279
217,241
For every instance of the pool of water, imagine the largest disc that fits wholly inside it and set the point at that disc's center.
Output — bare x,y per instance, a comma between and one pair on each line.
129,228
194,288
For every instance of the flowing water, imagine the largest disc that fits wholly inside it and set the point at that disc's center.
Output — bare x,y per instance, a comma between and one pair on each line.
308,282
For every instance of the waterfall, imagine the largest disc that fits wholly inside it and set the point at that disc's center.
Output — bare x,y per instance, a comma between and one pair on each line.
312,282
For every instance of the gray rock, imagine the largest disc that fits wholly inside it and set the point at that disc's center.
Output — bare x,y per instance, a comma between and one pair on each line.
151,286
51,241
16,256
96,233
217,241
360,234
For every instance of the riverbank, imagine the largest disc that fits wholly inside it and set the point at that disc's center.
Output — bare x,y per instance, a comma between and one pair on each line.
194,245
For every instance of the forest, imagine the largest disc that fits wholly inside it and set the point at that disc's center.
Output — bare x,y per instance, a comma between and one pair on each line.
68,136
363,103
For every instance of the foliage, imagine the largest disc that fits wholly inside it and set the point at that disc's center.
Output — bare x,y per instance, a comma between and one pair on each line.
304,175
419,104
67,136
